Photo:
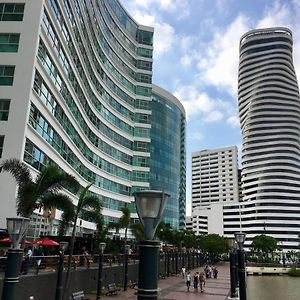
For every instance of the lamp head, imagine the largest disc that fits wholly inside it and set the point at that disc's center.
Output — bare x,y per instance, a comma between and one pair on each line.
17,228
63,246
231,243
240,239
102,246
127,248
150,206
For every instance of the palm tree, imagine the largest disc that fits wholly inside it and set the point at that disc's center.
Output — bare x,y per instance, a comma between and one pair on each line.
89,208
124,221
138,231
43,192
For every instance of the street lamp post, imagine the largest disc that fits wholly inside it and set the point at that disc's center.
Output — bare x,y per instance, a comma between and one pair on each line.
150,206
100,269
127,248
16,228
240,239
60,269
233,283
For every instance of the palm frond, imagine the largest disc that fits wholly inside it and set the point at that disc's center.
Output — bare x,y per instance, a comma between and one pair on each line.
59,201
51,179
18,170
124,221
91,203
91,215
26,199
138,231
66,218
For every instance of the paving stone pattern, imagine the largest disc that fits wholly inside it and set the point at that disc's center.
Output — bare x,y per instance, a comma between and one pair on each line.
173,288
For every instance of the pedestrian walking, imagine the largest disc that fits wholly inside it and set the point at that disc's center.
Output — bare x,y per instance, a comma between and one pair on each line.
215,272
202,282
183,272
196,280
188,281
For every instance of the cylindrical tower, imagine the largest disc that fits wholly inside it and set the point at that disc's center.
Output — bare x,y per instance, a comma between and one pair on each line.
270,121
167,160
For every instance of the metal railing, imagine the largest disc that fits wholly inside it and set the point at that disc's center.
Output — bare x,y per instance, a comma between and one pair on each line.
42,264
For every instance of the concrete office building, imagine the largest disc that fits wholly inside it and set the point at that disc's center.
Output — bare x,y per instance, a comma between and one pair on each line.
167,148
214,176
188,223
269,108
76,87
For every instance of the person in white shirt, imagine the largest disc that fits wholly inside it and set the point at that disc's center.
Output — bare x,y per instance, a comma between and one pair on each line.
188,281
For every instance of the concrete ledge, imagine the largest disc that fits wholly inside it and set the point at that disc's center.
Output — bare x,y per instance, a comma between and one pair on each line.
266,270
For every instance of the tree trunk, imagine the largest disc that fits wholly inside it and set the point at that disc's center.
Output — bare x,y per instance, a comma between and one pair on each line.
67,279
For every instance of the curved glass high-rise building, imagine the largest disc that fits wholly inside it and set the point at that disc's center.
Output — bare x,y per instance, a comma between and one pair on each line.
76,91
269,108
167,148
76,86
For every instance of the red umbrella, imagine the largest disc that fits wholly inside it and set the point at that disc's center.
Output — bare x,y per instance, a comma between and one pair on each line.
46,242
8,240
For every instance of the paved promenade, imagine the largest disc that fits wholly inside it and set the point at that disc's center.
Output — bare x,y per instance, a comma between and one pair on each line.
173,288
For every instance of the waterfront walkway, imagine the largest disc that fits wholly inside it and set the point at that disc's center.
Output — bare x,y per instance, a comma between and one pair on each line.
173,288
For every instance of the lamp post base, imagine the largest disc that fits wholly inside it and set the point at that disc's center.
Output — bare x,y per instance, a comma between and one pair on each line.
11,274
148,294
148,270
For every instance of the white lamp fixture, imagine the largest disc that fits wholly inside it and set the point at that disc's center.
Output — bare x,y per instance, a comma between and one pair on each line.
17,228
150,206
102,246
63,246
231,243
127,248
240,239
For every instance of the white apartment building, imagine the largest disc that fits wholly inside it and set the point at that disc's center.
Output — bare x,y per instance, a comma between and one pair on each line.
214,177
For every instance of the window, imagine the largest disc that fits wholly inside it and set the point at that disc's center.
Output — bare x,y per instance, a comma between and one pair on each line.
6,75
9,42
4,109
11,11
1,144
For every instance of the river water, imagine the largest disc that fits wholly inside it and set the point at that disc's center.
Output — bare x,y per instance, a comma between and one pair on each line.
273,288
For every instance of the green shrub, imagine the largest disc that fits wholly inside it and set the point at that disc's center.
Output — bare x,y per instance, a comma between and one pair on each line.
294,272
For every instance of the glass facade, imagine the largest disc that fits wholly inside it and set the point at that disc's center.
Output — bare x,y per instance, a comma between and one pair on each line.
167,148
89,105
94,98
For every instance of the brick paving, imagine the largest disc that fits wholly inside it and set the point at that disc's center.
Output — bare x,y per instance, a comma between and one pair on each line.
173,288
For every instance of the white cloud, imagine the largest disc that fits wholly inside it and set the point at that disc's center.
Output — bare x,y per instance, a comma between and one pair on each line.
164,33
219,66
234,121
193,101
197,103
164,37
179,8
186,60
213,116
196,136
278,15
282,14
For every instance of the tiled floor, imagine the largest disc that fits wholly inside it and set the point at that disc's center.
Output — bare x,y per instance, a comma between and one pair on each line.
173,288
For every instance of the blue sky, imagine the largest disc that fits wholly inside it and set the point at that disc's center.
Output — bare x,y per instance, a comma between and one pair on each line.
196,44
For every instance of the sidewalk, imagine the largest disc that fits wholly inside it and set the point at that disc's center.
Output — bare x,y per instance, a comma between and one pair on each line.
173,288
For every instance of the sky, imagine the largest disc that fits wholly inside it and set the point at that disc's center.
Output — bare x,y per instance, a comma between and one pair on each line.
196,56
